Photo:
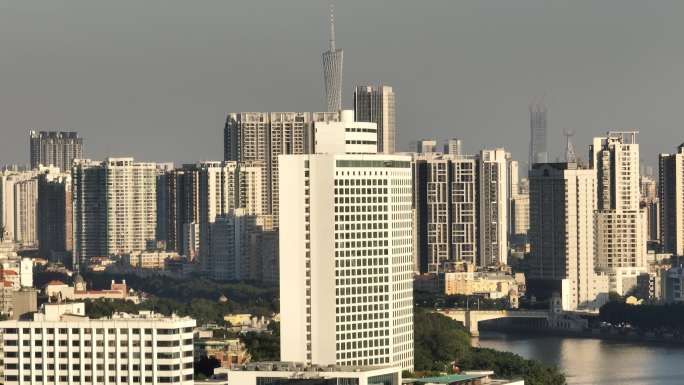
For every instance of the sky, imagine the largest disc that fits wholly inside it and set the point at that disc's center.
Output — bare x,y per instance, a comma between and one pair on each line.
154,79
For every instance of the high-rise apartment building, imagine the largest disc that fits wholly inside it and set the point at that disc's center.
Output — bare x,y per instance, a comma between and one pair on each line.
651,203
426,146
226,260
55,148
181,205
513,179
287,135
25,211
494,206
453,147
375,103
115,206
620,222
446,211
519,204
7,180
347,254
514,197
89,189
332,71
61,345
224,187
520,215
263,257
55,217
538,134
671,199
165,199
562,206
241,244
262,136
18,199
191,240
131,205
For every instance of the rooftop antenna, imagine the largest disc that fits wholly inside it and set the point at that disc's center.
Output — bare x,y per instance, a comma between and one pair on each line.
332,27
570,155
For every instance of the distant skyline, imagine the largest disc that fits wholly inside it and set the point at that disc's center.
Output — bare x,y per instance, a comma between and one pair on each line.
155,80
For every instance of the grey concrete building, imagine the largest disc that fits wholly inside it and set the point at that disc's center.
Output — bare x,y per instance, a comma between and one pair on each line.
376,103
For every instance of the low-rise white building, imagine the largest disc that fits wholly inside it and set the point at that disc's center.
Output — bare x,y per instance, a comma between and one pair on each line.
149,259
20,268
297,373
61,345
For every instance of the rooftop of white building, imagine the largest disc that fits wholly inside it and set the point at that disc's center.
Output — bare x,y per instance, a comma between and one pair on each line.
283,366
75,311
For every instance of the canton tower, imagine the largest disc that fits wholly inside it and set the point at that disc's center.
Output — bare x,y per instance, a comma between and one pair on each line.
332,70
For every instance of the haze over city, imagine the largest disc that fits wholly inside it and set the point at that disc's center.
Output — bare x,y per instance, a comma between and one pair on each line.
320,192
155,79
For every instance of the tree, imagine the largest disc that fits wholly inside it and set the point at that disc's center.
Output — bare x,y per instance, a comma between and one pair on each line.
646,317
242,297
204,367
613,296
263,346
438,341
441,341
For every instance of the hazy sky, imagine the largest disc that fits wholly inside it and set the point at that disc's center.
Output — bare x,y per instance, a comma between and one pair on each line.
155,78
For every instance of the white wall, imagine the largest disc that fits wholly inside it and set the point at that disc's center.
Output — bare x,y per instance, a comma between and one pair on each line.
292,259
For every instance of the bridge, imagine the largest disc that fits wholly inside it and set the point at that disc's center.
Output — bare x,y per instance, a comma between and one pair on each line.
471,318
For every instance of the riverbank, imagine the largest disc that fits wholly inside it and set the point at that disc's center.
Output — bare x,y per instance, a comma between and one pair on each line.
591,361
600,334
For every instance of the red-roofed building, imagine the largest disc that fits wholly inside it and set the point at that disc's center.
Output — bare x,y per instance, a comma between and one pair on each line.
6,296
59,291
12,277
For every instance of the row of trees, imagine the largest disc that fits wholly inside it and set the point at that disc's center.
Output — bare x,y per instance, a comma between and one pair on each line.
242,297
433,300
647,317
204,311
194,295
441,343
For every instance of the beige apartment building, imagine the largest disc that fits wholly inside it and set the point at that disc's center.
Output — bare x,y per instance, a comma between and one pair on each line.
621,224
562,232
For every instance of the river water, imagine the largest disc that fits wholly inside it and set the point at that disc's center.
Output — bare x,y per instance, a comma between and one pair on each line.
588,361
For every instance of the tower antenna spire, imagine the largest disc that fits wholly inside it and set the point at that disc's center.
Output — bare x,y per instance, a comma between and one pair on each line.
332,27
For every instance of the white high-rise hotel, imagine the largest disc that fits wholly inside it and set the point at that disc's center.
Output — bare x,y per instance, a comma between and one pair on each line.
346,259
620,223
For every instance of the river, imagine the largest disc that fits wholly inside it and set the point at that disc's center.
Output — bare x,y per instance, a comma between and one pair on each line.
588,361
